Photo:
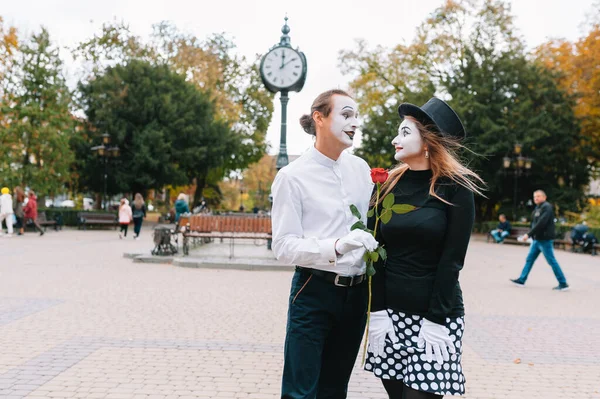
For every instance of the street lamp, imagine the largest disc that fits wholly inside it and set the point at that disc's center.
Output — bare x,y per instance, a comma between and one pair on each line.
521,165
105,151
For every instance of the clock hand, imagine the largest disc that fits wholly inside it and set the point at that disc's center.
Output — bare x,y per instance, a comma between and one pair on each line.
293,59
282,60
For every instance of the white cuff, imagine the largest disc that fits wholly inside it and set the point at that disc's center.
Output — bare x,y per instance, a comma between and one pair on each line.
327,249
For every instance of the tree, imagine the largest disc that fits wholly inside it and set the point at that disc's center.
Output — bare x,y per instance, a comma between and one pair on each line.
469,54
258,179
8,45
576,72
164,126
231,82
36,119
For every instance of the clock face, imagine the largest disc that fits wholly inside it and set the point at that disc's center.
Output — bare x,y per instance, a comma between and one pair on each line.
282,67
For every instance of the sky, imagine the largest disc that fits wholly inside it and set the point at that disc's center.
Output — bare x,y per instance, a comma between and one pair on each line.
320,28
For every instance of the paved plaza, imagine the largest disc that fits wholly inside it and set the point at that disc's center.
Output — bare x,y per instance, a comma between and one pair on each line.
79,320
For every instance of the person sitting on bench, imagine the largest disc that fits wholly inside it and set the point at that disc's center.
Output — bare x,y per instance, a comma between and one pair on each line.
502,230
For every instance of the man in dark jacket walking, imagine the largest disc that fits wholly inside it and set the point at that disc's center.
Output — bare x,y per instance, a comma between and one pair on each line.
542,233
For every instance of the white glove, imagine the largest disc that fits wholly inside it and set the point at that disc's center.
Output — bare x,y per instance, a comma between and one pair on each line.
354,240
434,338
380,326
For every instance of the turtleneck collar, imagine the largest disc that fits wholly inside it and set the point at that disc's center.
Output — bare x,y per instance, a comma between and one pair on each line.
418,174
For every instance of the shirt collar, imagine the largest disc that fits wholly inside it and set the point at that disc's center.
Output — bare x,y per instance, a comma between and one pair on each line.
324,159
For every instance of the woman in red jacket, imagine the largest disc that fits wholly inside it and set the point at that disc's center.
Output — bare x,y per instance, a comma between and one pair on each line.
31,212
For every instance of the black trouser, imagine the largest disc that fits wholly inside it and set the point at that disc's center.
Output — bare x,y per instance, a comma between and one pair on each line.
124,229
36,225
137,226
324,330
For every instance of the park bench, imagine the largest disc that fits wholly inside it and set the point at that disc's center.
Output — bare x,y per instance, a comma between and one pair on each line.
226,226
85,219
566,241
44,222
515,232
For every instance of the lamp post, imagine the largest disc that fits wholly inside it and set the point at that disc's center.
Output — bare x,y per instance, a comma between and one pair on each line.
520,166
106,151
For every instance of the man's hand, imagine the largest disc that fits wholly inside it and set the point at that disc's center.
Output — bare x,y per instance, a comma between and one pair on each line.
525,237
356,239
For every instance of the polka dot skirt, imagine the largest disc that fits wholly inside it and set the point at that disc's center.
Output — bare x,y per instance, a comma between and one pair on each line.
405,361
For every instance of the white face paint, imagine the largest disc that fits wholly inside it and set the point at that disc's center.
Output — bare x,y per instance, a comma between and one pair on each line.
408,142
344,119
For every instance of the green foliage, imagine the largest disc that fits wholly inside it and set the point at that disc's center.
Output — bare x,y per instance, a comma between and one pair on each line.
164,126
388,201
469,53
241,103
36,119
68,216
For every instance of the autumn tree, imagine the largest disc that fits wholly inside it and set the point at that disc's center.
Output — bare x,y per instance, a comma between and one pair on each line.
469,53
36,119
8,45
576,72
231,82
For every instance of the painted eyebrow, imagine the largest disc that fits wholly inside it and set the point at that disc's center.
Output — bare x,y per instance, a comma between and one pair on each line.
403,128
349,107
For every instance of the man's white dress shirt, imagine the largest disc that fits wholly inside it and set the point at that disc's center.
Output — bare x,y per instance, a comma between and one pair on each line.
311,210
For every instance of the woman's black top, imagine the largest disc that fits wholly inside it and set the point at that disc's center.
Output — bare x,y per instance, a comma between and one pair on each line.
425,249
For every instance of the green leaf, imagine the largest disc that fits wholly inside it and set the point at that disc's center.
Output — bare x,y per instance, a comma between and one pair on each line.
370,269
403,208
386,216
371,212
358,225
382,253
355,211
374,256
370,232
388,201
366,257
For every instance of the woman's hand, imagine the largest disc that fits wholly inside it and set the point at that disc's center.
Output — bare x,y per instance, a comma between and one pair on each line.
436,341
380,327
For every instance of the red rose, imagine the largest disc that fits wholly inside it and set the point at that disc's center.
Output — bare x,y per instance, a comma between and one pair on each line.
379,175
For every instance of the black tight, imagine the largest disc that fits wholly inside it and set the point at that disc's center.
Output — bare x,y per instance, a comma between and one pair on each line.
397,390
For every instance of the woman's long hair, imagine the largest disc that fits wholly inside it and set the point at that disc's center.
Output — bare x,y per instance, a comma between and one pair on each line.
20,194
138,202
444,164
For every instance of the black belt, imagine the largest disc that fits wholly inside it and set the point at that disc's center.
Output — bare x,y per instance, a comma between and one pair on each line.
336,279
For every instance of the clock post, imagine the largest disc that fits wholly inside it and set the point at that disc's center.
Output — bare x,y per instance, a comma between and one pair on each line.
283,69
282,158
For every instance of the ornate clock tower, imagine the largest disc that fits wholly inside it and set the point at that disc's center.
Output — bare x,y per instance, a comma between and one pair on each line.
283,69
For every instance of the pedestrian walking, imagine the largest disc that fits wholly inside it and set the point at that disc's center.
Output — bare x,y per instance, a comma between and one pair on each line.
311,229
417,318
181,207
139,213
31,212
543,234
125,217
6,211
18,199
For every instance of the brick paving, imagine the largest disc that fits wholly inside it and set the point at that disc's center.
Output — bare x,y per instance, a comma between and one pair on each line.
77,320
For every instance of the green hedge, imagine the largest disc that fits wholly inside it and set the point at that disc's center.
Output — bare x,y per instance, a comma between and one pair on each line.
561,229
68,215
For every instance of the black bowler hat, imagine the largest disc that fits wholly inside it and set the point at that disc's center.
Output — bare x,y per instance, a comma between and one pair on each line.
437,114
